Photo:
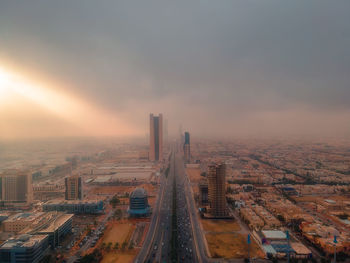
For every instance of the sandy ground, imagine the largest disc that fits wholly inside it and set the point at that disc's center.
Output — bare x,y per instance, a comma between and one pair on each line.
210,225
225,239
194,174
119,257
118,232
231,246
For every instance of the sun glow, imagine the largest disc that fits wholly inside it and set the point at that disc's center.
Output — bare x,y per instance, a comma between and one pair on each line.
74,110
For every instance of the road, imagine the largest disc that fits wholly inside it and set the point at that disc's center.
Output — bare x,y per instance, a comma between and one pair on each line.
156,246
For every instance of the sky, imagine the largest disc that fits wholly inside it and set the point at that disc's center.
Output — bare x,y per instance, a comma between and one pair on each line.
219,68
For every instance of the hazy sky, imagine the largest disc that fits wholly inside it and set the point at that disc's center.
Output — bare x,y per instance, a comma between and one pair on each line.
221,68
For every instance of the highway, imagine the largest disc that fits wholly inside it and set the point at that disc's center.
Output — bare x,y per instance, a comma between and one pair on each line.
156,246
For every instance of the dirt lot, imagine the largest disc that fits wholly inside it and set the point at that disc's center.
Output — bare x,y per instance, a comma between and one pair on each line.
117,257
231,246
118,232
194,174
210,225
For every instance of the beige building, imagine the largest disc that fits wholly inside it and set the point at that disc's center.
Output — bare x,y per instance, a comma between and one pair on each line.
16,187
156,138
74,188
217,190
18,222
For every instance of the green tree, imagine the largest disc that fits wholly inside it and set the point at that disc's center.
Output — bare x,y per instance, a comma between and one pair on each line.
124,244
116,245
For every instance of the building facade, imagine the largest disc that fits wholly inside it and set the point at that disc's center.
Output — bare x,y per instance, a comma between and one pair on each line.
16,187
217,190
156,138
74,188
203,193
74,206
24,249
138,203
187,148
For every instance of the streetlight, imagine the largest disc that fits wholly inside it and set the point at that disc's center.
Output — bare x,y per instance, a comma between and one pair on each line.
335,249
287,235
248,241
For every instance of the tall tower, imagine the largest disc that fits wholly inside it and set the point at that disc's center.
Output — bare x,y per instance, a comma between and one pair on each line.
216,190
156,138
16,187
74,188
187,148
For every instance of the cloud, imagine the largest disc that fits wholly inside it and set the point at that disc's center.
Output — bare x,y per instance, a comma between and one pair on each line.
198,63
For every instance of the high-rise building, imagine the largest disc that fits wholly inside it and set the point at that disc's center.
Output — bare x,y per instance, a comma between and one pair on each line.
187,148
156,138
16,187
166,133
203,193
217,190
74,188
187,138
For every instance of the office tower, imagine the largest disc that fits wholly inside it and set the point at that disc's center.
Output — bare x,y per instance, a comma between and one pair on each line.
203,193
187,148
166,133
216,190
74,188
16,187
156,138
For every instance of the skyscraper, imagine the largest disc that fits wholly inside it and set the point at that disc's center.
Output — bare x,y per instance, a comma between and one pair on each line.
16,187
187,148
156,138
216,190
74,188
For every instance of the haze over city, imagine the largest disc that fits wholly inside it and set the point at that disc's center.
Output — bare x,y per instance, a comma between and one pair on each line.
238,68
166,132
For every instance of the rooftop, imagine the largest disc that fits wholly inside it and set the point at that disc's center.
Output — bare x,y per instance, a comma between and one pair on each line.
23,241
274,234
139,193
24,216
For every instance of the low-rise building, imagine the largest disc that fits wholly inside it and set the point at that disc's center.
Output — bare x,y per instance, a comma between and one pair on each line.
18,222
24,248
74,206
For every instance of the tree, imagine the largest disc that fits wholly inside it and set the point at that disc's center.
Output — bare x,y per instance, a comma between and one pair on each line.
103,245
95,256
109,245
131,245
124,245
118,214
116,245
281,218
114,201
